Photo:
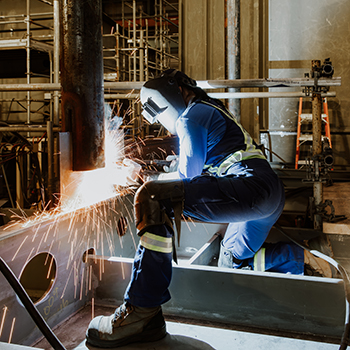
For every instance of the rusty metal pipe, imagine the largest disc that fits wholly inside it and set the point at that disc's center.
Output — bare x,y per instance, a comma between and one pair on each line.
233,51
81,59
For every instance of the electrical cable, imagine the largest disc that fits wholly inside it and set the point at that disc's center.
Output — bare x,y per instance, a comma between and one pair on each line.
30,307
346,281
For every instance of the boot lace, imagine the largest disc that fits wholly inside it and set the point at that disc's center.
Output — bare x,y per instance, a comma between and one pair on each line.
122,311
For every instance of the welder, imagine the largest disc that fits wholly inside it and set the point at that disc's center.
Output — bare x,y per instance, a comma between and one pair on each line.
223,177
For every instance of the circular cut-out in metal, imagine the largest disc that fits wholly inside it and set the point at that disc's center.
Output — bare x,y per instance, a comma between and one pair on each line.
122,225
38,276
90,251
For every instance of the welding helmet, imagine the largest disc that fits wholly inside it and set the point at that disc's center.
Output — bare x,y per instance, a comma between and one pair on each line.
162,99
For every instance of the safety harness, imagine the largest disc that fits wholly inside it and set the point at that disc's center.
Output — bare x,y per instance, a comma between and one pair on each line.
251,150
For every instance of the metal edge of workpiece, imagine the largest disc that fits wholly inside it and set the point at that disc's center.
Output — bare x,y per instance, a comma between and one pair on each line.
305,305
68,238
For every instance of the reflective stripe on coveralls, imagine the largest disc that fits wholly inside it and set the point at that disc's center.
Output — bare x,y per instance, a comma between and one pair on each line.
259,260
250,152
156,243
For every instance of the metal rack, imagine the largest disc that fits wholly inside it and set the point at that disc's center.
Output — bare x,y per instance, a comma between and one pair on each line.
32,32
140,46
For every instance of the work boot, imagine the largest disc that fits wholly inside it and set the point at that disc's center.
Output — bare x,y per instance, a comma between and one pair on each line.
315,266
225,257
128,324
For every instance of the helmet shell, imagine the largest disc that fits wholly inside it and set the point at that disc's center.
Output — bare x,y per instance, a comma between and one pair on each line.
162,100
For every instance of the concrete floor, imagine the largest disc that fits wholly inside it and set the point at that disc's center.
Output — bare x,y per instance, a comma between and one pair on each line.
182,336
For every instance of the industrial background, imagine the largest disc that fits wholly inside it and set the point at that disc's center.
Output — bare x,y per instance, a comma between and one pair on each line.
70,73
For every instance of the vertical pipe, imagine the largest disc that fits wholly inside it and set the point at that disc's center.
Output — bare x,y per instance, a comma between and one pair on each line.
233,52
129,58
19,183
317,145
56,60
28,59
141,49
56,102
134,38
117,44
82,80
123,42
316,124
180,34
161,35
156,33
146,52
316,150
142,76
50,161
26,174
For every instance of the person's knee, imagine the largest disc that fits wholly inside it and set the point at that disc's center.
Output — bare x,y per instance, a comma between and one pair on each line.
148,210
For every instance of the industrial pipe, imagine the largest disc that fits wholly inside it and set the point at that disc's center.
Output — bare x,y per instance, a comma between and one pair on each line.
234,51
232,95
317,145
56,60
82,81
27,129
204,84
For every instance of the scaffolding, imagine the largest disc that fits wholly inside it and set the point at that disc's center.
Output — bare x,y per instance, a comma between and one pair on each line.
31,33
139,47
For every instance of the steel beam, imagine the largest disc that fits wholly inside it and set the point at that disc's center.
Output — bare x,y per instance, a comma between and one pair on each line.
272,302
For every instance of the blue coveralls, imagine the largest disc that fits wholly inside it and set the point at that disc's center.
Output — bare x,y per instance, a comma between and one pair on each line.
226,180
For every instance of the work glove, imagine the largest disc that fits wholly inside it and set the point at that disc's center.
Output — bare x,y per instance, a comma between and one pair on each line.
149,175
174,163
132,170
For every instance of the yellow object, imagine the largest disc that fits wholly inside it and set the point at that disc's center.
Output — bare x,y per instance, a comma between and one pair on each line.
156,243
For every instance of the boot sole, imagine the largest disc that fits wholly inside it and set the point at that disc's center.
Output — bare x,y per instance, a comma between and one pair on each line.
154,331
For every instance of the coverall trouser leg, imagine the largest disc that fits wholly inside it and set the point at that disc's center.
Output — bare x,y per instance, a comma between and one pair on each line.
151,274
251,198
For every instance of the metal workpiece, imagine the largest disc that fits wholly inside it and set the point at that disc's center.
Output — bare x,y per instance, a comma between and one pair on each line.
82,81
261,300
49,256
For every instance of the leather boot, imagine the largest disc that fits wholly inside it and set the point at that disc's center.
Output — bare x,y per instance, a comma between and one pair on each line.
129,324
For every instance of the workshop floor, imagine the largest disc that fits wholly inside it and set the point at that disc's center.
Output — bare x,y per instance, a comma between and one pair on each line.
184,336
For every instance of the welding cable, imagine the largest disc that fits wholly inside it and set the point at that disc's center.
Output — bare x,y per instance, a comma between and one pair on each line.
30,307
346,281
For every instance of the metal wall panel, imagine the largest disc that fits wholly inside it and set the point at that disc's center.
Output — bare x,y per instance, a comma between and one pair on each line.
301,31
203,38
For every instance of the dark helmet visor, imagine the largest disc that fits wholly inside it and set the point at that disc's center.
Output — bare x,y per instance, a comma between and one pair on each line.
151,110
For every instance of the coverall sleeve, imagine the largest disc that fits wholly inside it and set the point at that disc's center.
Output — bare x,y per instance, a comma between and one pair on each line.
193,147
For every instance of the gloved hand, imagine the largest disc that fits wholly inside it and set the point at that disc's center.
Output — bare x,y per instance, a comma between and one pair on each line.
174,163
132,172
149,175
